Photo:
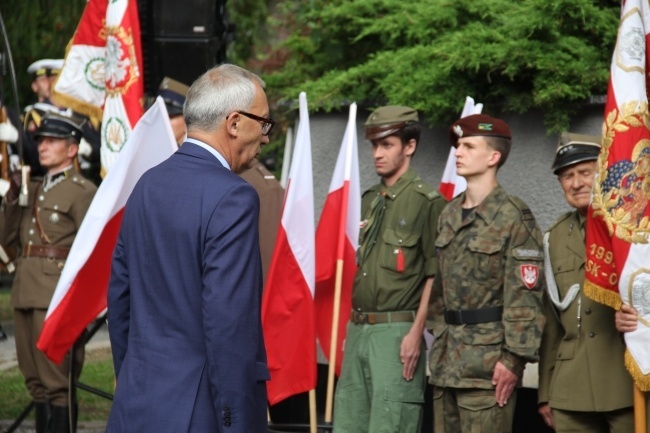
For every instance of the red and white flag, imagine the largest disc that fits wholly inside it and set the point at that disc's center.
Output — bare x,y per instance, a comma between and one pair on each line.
618,224
102,76
452,184
80,295
337,240
288,302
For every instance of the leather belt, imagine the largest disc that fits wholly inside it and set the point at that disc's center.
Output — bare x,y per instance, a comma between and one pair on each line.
360,318
471,317
48,251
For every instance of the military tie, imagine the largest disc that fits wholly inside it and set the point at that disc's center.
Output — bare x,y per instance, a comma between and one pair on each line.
371,229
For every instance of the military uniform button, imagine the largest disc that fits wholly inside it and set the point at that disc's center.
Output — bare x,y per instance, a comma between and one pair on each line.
588,311
41,198
75,178
420,186
592,334
31,232
56,207
365,274
33,220
399,241
393,196
60,266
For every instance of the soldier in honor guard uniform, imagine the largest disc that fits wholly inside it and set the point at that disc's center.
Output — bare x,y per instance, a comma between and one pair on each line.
44,72
382,381
583,383
486,302
44,228
174,93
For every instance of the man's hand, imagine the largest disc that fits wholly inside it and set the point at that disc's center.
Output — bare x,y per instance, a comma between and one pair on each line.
505,381
626,319
547,415
410,353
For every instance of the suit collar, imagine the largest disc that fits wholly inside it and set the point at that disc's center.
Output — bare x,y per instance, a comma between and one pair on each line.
191,148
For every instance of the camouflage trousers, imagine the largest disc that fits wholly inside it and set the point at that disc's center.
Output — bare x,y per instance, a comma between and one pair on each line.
371,395
471,410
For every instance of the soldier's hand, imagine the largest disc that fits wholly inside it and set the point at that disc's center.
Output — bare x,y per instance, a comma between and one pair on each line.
8,133
626,319
409,353
15,182
505,381
545,411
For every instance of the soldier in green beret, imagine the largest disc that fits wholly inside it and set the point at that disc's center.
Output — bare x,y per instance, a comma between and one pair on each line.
583,383
382,382
486,301
43,230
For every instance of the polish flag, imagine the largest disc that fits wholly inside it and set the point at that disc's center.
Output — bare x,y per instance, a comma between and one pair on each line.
452,184
337,240
80,295
288,302
617,268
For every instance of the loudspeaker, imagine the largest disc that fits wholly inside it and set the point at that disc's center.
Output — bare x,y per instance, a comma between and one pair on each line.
181,40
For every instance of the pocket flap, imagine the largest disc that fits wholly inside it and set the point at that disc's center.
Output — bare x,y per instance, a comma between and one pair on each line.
399,239
485,245
519,314
566,350
406,392
480,335
475,402
63,207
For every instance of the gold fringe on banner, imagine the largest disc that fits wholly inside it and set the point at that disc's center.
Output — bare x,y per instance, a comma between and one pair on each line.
602,295
94,113
642,381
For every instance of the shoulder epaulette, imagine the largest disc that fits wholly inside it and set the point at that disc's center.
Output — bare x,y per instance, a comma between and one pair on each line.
425,189
526,213
562,217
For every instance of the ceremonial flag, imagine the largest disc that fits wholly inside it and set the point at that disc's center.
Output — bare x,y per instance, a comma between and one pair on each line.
288,303
80,295
452,184
618,223
102,76
337,239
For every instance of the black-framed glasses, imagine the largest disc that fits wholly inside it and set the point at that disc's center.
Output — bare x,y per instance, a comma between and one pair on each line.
267,124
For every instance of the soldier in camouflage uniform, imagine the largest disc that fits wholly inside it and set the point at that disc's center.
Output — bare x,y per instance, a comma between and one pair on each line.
583,383
486,302
44,230
381,388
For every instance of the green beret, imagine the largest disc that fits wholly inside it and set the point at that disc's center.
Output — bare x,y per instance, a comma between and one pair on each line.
385,121
478,125
574,148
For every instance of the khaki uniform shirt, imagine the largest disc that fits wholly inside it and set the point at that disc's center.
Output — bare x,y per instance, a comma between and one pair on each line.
407,230
491,258
581,366
59,211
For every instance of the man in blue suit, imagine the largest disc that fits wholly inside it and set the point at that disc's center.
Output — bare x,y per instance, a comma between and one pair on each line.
186,280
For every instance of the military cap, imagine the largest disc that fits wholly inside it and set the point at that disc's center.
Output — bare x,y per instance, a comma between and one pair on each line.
59,126
480,125
385,121
173,93
47,67
574,148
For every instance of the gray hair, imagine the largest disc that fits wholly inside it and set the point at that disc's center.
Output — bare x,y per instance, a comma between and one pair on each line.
217,93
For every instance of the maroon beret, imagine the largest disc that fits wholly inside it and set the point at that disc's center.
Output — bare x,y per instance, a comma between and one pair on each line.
478,125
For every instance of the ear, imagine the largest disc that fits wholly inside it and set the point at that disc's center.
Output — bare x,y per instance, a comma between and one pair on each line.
232,123
494,159
73,149
409,147
34,86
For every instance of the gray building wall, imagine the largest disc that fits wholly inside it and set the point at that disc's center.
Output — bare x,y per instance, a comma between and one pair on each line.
526,174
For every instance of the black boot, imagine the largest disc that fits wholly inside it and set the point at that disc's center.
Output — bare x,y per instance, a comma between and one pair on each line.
42,417
61,420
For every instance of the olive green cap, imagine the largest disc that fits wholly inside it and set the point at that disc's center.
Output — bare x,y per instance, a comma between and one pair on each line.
385,121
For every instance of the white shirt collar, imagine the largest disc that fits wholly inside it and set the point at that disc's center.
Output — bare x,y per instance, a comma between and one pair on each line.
210,149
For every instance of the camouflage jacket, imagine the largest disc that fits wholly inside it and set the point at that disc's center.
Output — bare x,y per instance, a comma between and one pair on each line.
492,258
392,277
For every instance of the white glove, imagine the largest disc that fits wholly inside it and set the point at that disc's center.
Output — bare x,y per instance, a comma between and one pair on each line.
85,149
8,133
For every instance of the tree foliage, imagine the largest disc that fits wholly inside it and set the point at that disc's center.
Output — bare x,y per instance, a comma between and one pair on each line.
429,54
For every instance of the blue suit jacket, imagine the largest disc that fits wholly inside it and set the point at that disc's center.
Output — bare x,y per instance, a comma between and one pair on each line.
184,302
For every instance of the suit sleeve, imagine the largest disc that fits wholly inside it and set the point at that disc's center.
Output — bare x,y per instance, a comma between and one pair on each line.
548,351
523,315
232,293
119,305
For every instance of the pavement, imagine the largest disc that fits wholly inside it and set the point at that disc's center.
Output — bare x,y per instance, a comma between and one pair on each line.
8,360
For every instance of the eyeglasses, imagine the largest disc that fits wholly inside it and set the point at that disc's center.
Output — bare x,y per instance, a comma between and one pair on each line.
267,124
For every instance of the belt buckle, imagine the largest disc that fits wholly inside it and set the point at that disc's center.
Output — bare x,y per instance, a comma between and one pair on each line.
361,318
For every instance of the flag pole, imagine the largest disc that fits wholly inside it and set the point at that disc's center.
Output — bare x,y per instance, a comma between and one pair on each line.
312,411
340,253
639,411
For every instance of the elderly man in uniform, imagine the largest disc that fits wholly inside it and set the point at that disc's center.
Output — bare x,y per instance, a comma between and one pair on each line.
382,382
583,383
44,230
486,302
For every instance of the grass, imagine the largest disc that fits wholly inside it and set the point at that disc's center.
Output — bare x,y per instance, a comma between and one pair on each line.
97,372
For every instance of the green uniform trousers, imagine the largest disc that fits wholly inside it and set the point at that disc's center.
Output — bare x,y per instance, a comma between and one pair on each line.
371,395
615,421
46,381
471,410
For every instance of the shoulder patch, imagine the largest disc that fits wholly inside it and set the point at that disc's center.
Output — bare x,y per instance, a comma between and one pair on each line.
562,218
526,213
